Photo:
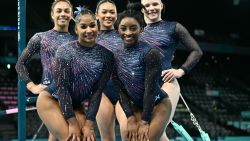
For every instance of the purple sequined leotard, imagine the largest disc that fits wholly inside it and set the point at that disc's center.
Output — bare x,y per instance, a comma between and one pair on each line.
165,36
111,40
137,78
46,44
81,73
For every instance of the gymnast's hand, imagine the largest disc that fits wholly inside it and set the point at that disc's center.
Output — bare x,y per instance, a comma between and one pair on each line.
143,131
74,130
132,129
170,74
88,131
35,89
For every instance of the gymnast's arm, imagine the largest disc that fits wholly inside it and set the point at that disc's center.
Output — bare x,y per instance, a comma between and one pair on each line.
32,48
62,77
95,98
152,76
189,42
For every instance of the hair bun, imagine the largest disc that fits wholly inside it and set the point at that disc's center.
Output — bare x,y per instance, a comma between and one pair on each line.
137,6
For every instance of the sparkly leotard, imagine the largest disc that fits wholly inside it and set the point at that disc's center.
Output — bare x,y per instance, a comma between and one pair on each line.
81,73
137,76
111,40
46,44
165,36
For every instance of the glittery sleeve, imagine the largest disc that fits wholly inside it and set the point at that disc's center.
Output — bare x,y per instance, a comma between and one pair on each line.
123,96
95,98
152,76
62,78
188,41
32,48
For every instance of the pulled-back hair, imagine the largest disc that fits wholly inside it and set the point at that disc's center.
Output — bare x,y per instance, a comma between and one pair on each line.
82,11
101,2
56,1
133,11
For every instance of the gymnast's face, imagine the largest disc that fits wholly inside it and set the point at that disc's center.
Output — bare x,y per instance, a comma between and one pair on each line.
86,29
61,14
107,15
129,30
154,8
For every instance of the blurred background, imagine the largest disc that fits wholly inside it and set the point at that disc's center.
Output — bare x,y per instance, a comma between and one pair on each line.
217,90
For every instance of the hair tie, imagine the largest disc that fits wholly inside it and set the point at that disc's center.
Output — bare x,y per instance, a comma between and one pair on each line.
79,10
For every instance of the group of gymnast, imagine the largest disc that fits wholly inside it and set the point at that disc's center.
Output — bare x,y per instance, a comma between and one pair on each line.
119,65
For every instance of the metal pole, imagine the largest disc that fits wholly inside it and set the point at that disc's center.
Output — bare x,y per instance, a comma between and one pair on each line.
37,132
21,14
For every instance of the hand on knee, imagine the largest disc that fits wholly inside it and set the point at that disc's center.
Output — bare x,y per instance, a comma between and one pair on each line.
143,131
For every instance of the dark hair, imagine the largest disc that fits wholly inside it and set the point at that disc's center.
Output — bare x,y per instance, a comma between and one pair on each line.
56,1
82,12
133,11
101,2
54,4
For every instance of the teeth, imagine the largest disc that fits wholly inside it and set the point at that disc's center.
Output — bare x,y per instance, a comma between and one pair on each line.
129,38
89,35
63,18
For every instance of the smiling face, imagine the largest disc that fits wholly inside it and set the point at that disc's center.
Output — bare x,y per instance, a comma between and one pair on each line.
86,29
61,15
154,8
107,15
129,30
